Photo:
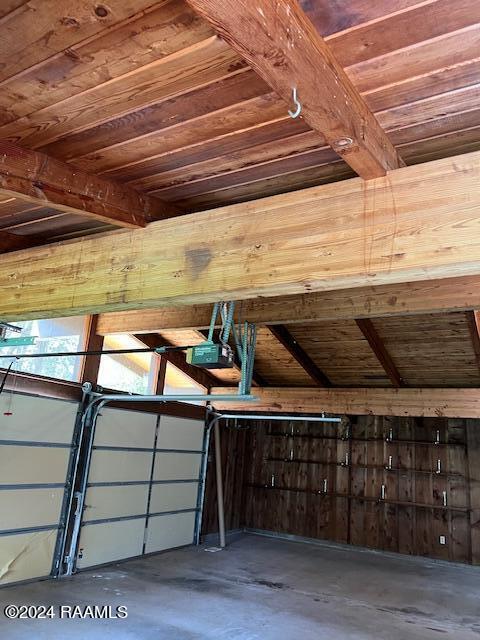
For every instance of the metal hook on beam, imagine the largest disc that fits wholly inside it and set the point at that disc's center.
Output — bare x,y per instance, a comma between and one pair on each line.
297,103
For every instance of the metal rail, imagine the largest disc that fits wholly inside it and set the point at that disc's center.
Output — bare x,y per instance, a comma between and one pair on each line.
257,416
94,352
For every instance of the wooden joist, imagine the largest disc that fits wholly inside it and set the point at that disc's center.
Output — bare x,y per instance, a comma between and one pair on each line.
448,403
177,358
281,44
420,222
411,298
473,320
37,178
13,242
371,335
285,338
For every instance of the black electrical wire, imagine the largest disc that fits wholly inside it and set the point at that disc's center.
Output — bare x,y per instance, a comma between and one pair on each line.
99,352
2,385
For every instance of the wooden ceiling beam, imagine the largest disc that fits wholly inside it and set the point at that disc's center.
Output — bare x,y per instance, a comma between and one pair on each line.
413,298
38,178
282,334
422,222
280,43
435,403
376,344
473,319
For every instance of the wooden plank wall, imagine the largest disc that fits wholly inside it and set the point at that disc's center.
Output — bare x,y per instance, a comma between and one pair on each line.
234,458
325,481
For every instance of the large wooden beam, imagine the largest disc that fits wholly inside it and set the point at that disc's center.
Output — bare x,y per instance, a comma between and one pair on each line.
281,44
376,344
420,222
411,298
40,179
448,403
282,334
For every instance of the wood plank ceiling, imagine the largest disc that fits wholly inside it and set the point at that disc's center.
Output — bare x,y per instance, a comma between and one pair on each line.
148,95
430,350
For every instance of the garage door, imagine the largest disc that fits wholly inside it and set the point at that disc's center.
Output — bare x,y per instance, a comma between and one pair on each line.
143,486
35,447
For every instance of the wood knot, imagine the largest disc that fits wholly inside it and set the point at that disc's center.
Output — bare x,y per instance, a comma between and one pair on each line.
101,11
68,21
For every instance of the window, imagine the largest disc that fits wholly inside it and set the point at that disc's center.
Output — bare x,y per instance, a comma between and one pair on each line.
177,382
132,372
60,334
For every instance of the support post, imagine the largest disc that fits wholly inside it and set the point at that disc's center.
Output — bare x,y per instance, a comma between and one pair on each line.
218,473
162,370
93,342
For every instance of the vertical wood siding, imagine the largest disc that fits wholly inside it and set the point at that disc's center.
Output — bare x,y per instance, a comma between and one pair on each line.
325,481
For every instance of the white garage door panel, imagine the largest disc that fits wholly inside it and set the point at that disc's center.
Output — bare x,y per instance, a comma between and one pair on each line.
167,532
176,466
114,502
37,419
106,542
120,466
180,433
27,555
25,508
33,465
125,429
173,497
45,422
101,543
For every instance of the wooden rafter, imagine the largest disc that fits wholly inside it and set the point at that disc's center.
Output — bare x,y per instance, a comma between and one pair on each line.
162,370
201,376
12,242
42,180
282,334
337,236
281,44
411,298
448,403
376,344
473,319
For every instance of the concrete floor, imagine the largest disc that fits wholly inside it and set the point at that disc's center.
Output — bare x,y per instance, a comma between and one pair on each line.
262,589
